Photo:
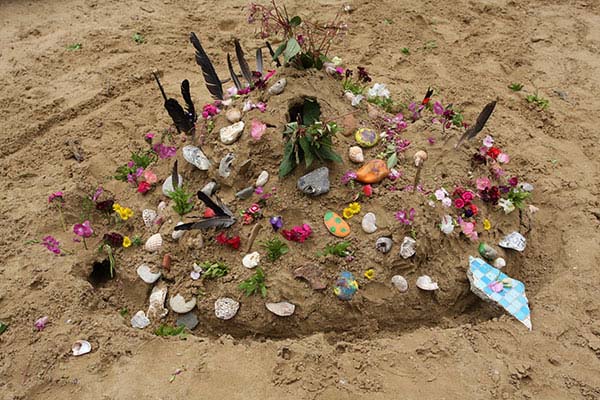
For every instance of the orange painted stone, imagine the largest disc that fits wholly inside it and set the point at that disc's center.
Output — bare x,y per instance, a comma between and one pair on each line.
372,172
336,225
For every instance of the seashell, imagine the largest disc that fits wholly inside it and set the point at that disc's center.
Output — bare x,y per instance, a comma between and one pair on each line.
231,133
426,283
251,260
373,171
384,244
499,263
167,185
420,157
366,137
149,216
355,154
196,157
226,308
400,283
139,320
233,115
407,248
81,347
346,286
156,309
180,306
368,223
278,87
262,179
514,241
154,243
145,273
281,309
225,165
335,224
176,235
488,252
209,188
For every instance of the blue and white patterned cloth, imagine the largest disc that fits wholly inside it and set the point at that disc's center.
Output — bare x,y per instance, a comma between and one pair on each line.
512,299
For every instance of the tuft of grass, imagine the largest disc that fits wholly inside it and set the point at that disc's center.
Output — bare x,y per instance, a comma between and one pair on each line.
138,38
515,87
123,312
405,51
275,248
255,284
214,269
74,46
340,249
183,200
3,327
539,101
166,330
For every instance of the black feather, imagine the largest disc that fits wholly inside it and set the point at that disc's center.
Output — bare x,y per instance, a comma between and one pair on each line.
160,86
276,59
175,176
479,124
259,61
213,83
234,77
214,222
189,104
427,96
208,202
239,53
179,116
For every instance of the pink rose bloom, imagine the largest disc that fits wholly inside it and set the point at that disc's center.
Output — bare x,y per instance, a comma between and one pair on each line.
503,158
467,196
254,208
150,177
483,183
459,203
468,229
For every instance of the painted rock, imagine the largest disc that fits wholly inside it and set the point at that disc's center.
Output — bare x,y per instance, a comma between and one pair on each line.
231,133
488,252
355,154
366,137
514,241
407,248
226,308
346,286
369,223
315,182
336,225
372,172
281,309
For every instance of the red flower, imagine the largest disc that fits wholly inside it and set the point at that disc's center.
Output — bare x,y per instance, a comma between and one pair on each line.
493,152
224,240
368,190
221,238
209,213
474,209
459,203
247,219
467,197
143,187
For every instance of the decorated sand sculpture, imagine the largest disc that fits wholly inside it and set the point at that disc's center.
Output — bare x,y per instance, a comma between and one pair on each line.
304,183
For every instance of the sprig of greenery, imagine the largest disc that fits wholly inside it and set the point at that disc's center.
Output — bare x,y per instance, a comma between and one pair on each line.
141,159
405,51
166,330
340,249
214,269
123,312
353,86
3,327
138,38
183,200
255,284
539,101
518,197
384,102
74,46
515,87
275,248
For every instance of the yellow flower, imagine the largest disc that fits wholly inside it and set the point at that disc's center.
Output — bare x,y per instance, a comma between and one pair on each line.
354,207
370,274
347,213
487,225
124,213
117,208
126,241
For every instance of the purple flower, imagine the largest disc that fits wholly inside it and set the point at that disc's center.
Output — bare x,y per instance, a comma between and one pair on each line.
148,137
401,145
348,176
405,217
130,164
431,141
438,108
84,230
259,190
97,194
40,324
164,151
276,223
54,196
132,178
51,244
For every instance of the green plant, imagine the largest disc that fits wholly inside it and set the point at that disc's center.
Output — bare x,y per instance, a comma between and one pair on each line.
141,159
74,46
138,38
384,102
340,249
515,87
405,51
3,327
183,200
255,284
275,248
214,269
518,197
123,312
388,21
166,330
539,101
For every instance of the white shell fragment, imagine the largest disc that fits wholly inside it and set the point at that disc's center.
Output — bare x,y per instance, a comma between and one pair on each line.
407,248
400,283
231,133
281,309
225,165
176,235
196,157
149,216
167,186
154,243
180,306
278,87
514,241
81,347
368,223
145,273
233,115
226,308
499,263
355,154
139,320
251,260
157,309
262,179
426,283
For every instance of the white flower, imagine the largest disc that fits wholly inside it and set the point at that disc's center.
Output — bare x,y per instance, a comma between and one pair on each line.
447,225
441,194
431,204
379,90
447,202
336,61
488,141
247,106
357,99
506,205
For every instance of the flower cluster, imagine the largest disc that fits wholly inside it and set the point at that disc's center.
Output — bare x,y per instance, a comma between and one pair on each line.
298,233
405,217
348,177
210,110
164,151
51,244
83,230
447,116
351,210
150,179
468,229
233,242
124,212
442,195
463,201
494,153
251,214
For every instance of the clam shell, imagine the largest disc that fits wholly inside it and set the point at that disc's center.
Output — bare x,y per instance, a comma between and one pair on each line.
281,309
400,283
425,282
167,185
149,216
145,273
157,309
180,306
251,260
196,157
368,223
262,179
139,320
226,308
176,235
154,243
81,347
384,244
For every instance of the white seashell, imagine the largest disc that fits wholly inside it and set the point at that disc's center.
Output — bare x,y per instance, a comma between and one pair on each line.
149,216
281,309
145,273
278,87
225,165
425,283
226,308
139,320
81,347
167,185
176,235
407,248
154,243
157,309
180,306
231,133
262,179
499,263
355,153
384,244
233,115
400,283
251,260
368,223
196,157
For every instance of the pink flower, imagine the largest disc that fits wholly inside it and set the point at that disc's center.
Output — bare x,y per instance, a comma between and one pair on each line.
431,140
51,244
261,106
40,324
143,187
257,129
164,151
209,110
438,108
503,158
496,286
148,137
459,203
150,177
259,190
394,174
488,141
84,230
254,208
440,194
483,183
298,233
467,197
54,196
468,229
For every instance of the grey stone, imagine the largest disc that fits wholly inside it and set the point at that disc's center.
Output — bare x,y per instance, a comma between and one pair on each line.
189,320
315,183
196,157
231,133
245,193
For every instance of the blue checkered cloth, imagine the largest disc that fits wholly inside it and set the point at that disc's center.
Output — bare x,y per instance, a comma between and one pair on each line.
512,299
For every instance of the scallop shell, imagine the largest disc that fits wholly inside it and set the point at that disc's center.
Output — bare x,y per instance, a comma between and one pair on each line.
145,273
176,235
149,216
154,243
281,309
400,283
180,306
157,309
368,223
426,283
139,320
81,347
226,308
251,260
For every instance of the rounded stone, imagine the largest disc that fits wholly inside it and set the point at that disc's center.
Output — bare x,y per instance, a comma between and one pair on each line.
281,309
230,134
400,283
196,157
355,154
233,115
278,87
369,223
226,308
262,179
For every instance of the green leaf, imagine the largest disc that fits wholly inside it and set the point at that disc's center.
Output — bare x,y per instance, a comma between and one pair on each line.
289,161
295,21
392,160
263,291
311,112
292,48
327,153
309,157
3,327
279,50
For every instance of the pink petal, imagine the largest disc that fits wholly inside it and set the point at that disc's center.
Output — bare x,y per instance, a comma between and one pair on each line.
257,129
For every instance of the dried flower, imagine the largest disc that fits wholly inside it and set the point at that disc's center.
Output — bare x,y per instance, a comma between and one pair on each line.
51,244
